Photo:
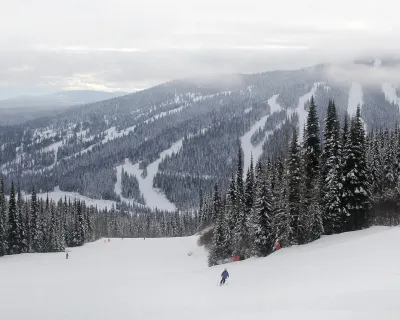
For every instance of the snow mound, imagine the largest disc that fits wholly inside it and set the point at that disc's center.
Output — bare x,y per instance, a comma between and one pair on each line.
348,276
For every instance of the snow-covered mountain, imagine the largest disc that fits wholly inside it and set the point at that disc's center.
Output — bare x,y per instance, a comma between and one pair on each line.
23,108
159,147
346,276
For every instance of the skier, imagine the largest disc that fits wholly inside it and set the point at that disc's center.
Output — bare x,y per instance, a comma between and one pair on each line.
224,276
66,256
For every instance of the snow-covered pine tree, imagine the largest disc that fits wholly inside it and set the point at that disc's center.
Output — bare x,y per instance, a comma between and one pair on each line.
14,231
219,249
241,234
356,201
34,228
3,226
22,216
294,190
230,212
26,222
60,226
52,245
3,221
375,169
330,174
280,207
261,220
239,182
310,216
249,189
389,182
80,224
44,218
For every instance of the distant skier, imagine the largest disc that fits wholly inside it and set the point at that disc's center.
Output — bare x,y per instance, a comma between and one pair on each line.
224,276
66,256
108,239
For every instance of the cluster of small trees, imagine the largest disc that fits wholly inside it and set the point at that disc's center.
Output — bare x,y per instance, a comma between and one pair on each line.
320,187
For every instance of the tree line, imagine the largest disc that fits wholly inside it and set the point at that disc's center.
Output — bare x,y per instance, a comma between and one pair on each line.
325,185
43,225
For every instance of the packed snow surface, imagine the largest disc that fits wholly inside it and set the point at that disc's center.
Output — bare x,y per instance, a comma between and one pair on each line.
301,108
154,198
248,148
349,276
355,98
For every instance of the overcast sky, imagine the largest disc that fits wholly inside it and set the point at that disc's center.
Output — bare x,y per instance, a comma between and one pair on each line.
51,45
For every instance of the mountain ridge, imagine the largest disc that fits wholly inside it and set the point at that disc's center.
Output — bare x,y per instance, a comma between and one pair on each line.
80,149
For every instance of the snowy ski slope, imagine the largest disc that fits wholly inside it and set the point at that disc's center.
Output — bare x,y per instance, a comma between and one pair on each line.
349,276
154,198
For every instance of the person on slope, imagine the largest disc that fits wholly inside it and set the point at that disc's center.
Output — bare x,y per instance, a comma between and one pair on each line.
224,276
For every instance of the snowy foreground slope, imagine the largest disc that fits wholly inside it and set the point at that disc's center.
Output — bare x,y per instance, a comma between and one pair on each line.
348,276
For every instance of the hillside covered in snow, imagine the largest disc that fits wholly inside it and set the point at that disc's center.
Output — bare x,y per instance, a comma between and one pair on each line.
159,147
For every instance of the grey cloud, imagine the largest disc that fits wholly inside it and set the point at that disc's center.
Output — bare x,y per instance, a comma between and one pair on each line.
366,75
51,45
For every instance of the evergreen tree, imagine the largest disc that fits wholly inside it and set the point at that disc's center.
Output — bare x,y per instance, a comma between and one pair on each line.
219,249
80,225
14,231
239,182
52,245
241,235
262,230
23,215
249,189
294,189
3,221
309,220
34,228
230,212
356,201
330,174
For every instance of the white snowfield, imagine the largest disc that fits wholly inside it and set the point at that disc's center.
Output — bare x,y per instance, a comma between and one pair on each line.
350,276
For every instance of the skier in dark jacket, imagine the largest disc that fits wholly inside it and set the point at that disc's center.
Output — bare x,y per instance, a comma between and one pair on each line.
224,276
